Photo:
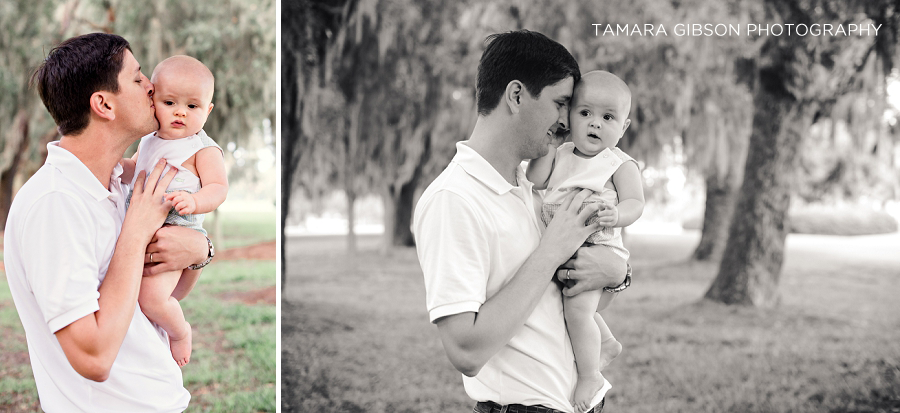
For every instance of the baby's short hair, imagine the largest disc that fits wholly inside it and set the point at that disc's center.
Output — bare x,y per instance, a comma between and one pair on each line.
184,62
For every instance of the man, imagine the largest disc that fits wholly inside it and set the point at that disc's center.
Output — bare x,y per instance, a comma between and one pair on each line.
488,269
74,258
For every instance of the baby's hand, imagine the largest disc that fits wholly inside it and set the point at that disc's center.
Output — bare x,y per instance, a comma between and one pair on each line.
183,202
559,137
608,215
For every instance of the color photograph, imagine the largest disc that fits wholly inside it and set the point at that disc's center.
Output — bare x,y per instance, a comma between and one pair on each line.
138,181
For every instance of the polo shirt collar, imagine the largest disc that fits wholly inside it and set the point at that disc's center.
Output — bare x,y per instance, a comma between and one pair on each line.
479,168
75,170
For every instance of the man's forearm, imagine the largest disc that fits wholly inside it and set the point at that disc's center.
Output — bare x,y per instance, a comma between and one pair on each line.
92,343
471,339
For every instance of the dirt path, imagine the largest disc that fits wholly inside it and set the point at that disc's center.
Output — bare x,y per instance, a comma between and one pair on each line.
262,251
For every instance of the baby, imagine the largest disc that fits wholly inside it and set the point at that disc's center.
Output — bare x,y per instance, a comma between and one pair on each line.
183,91
598,119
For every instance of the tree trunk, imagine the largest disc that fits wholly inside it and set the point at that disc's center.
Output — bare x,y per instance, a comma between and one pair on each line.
398,209
751,263
721,197
351,223
723,181
16,146
290,131
400,203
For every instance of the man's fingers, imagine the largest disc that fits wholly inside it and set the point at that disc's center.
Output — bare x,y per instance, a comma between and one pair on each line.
154,175
575,289
589,209
567,201
580,197
139,182
153,269
164,183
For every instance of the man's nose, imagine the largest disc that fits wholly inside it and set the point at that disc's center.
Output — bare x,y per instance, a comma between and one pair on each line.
149,86
563,120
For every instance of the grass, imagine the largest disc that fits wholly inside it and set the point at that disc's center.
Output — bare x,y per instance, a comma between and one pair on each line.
232,366
241,228
355,334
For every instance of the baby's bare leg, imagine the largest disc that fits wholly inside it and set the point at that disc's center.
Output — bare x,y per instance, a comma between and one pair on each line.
610,347
186,283
586,338
160,307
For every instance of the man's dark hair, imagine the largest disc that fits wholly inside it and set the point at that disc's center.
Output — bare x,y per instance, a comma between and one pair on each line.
73,71
529,57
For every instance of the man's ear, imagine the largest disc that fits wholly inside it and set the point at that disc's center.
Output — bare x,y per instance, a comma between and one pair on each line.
210,109
102,105
513,95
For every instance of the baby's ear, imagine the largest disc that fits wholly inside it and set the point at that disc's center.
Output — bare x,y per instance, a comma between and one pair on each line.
627,124
211,106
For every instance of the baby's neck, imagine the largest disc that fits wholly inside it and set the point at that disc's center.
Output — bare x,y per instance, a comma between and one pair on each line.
173,138
581,154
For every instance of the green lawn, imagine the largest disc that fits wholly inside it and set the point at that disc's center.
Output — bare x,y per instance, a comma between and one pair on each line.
355,334
242,228
232,367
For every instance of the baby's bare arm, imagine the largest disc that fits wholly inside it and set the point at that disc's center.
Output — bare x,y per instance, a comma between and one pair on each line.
631,193
128,165
539,169
213,185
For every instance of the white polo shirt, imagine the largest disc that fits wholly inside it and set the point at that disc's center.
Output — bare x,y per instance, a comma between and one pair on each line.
60,236
473,231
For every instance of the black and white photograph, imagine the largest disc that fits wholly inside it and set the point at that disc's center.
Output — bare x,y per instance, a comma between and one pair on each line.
646,206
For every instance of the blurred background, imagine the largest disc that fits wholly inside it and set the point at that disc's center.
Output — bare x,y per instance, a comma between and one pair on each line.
233,308
763,260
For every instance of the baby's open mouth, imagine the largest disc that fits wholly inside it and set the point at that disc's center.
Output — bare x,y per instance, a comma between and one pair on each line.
593,136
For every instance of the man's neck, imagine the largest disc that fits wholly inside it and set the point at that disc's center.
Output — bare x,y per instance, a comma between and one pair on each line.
494,142
99,152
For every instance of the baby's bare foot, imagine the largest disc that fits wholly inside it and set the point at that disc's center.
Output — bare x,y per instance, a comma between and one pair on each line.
609,350
181,347
585,389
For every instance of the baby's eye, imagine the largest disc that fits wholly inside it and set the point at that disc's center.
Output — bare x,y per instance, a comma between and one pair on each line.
585,113
168,103
608,117
192,106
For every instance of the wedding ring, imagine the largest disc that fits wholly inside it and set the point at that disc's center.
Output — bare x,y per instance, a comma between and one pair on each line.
567,272
151,257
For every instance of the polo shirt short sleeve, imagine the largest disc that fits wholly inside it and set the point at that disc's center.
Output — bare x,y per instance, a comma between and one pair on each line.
56,229
456,260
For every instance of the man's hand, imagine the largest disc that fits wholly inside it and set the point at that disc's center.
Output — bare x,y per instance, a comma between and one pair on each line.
148,209
566,231
174,248
183,202
592,268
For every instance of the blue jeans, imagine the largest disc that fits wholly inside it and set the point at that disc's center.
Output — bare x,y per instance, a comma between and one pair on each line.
491,407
